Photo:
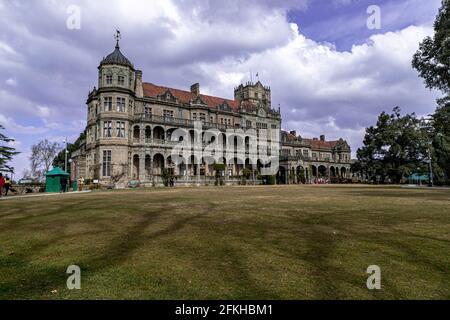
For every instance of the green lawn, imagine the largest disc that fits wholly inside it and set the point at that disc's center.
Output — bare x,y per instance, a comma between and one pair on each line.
285,242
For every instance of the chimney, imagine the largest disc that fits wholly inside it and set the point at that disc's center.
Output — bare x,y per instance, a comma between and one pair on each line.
322,138
195,89
139,91
294,133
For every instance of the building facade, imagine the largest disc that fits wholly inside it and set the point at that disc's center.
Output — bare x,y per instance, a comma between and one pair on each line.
135,129
313,160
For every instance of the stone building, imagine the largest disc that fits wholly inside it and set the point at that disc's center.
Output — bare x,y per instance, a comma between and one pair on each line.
308,160
131,126
133,134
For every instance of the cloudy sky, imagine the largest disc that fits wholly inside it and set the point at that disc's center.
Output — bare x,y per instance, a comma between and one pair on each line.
328,71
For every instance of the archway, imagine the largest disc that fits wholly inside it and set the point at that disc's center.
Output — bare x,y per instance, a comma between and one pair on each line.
333,172
148,165
314,171
301,175
158,164
322,172
282,175
148,134
158,133
136,133
136,167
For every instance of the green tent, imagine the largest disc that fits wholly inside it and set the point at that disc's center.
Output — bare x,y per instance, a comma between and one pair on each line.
53,180
418,178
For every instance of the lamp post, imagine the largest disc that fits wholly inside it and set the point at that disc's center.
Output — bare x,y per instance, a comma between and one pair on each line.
430,166
65,156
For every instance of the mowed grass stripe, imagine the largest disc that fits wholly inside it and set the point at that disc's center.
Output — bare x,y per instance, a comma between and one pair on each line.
282,242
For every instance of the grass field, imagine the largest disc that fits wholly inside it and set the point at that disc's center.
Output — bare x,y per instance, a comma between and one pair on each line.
284,242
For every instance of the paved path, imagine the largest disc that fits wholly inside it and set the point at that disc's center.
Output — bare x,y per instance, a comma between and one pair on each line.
43,195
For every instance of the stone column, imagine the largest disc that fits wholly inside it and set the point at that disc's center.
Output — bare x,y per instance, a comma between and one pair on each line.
142,167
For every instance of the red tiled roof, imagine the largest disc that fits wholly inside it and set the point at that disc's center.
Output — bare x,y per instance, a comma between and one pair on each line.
152,90
314,143
322,144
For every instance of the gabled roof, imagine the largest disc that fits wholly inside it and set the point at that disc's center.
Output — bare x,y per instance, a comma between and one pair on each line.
322,144
153,91
314,143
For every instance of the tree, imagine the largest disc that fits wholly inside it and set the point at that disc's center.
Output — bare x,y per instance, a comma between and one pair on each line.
6,152
432,60
60,159
441,141
42,155
393,149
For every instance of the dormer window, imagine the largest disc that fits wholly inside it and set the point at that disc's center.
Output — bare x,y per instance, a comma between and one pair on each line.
121,80
109,79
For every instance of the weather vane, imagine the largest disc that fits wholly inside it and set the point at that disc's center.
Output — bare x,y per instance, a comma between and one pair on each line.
117,36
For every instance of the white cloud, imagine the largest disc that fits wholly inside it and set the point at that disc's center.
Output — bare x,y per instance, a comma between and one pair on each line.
216,43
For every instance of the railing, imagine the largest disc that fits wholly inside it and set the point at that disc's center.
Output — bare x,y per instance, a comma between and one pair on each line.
304,158
156,142
184,122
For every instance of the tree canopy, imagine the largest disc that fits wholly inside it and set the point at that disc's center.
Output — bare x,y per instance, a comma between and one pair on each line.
432,61
394,148
60,159
7,152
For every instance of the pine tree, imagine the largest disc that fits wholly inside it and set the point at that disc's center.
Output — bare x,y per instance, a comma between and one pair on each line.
6,152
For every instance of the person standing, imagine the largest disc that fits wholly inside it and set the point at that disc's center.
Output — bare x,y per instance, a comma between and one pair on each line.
80,184
2,183
63,182
7,185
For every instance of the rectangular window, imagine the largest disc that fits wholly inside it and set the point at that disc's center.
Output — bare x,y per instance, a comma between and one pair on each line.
109,79
121,80
194,116
274,126
120,128
107,129
229,122
260,125
147,111
305,153
211,119
203,117
107,106
121,104
107,163
168,113
248,124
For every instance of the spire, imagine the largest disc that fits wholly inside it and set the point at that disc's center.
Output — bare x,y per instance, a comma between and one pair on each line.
117,36
117,57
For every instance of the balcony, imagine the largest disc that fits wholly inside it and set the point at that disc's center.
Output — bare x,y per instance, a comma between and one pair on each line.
155,142
178,122
285,157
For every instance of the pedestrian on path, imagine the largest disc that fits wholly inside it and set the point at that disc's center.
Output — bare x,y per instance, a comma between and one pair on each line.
2,184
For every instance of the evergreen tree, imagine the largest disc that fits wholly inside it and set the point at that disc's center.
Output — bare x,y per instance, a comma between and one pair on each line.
6,152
